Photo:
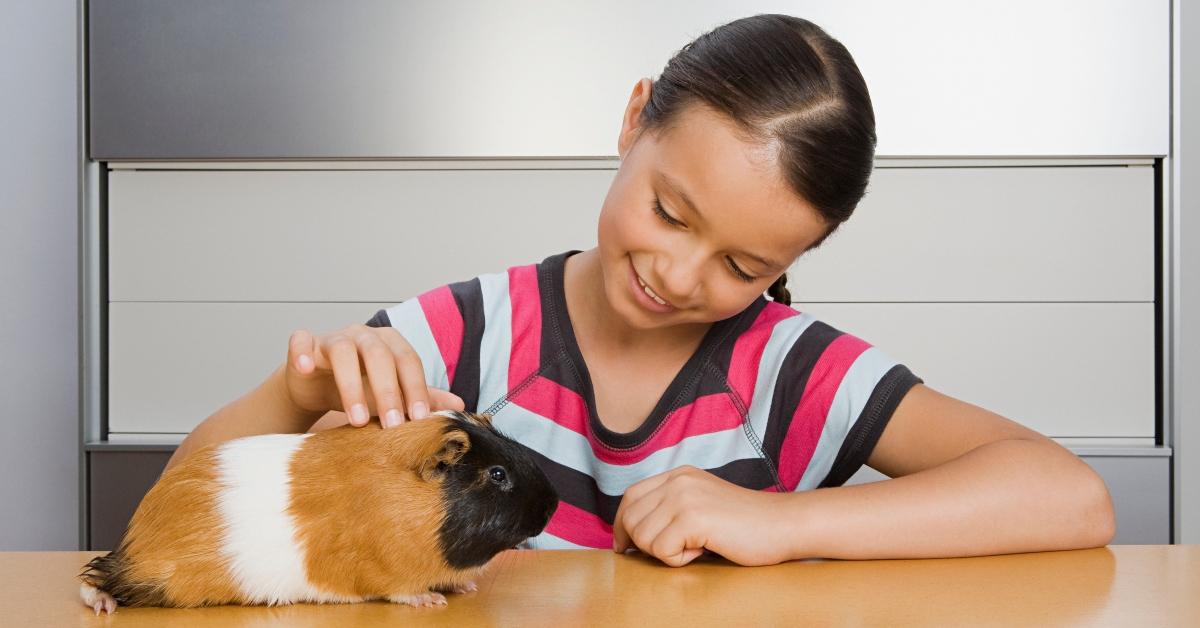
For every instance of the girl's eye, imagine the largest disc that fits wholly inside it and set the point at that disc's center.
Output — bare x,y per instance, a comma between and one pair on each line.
739,272
662,213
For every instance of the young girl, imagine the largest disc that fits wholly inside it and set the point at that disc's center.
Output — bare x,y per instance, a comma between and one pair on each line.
673,406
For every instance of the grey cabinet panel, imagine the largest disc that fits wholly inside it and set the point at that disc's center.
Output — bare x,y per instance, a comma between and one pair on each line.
1055,234
991,234
1140,489
117,481
337,235
173,364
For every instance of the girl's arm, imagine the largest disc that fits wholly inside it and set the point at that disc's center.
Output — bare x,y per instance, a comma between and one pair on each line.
266,409
966,482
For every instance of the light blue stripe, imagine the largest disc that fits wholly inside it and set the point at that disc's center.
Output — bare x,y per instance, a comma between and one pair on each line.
848,403
496,345
546,540
408,318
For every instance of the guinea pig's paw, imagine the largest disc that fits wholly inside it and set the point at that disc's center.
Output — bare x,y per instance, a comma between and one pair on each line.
428,599
97,600
466,587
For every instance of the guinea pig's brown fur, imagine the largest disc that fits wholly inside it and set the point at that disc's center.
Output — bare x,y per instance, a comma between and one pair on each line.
367,509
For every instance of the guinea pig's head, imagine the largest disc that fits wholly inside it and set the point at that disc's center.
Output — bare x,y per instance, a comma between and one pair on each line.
495,494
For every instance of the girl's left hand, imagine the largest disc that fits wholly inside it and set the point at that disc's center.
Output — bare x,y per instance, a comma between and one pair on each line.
675,516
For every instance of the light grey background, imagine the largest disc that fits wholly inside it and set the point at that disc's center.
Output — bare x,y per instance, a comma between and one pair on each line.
39,365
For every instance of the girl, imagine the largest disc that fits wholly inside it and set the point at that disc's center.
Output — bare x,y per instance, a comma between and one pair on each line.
675,408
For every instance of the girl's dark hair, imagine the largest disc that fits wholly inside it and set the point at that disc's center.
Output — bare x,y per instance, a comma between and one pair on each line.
783,80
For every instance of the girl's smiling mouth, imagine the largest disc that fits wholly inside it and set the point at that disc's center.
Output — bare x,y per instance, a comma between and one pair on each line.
645,295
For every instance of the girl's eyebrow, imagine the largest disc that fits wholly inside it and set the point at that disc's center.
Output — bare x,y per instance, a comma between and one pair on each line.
678,190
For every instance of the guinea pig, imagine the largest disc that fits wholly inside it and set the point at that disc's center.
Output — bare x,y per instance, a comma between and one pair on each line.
345,515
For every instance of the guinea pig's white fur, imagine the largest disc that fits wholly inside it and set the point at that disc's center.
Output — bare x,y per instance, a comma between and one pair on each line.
247,522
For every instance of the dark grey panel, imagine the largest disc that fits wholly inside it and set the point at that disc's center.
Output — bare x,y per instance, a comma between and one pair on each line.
315,79
117,482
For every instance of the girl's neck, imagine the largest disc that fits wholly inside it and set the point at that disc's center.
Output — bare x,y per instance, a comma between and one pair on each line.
595,321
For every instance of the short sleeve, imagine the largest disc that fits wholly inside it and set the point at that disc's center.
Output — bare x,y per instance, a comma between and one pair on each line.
876,410
833,396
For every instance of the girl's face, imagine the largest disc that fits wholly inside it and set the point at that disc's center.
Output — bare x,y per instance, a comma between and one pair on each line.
699,216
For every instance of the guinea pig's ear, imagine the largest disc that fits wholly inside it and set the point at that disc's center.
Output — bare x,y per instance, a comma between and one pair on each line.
454,445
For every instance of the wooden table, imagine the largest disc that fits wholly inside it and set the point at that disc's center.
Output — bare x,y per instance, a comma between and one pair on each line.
1123,585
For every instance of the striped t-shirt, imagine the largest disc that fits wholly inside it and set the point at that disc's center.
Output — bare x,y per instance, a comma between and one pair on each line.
772,399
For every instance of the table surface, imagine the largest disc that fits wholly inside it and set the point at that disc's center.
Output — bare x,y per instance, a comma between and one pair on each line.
1121,585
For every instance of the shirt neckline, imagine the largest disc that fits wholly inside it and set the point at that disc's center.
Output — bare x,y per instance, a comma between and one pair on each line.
554,289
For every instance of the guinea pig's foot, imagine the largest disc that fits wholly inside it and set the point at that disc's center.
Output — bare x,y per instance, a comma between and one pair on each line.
98,600
465,587
428,599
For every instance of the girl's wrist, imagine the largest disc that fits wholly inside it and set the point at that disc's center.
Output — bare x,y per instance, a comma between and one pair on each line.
801,518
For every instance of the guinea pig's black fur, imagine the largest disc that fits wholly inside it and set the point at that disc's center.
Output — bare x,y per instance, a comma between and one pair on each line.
495,497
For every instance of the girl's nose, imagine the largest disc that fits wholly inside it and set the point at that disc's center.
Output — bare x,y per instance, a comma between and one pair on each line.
680,277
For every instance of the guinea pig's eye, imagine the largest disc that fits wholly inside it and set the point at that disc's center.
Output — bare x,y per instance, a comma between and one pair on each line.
498,474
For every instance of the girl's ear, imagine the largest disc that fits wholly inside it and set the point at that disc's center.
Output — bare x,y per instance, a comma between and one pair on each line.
631,124
452,446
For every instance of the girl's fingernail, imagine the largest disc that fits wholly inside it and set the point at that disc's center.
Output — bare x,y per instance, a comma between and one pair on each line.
305,362
392,419
359,413
419,410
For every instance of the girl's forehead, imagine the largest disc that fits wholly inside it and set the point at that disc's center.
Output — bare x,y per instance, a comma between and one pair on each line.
708,165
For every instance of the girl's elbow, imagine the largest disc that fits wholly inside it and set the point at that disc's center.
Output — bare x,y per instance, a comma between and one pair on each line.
1100,519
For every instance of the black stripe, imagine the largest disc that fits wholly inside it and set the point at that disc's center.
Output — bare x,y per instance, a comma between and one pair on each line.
751,473
868,427
380,320
556,324
469,297
791,381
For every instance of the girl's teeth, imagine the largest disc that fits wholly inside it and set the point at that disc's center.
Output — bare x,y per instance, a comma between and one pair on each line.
650,294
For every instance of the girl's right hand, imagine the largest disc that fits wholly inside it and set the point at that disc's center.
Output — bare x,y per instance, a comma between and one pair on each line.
326,373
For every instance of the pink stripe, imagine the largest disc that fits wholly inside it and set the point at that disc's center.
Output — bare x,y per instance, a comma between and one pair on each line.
706,415
580,527
809,419
446,323
555,402
526,323
748,350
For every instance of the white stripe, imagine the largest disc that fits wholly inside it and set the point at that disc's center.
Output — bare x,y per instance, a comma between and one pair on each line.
495,347
408,318
572,449
259,537
848,402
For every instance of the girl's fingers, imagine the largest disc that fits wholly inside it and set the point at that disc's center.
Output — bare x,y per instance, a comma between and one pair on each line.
411,372
634,519
380,365
347,374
